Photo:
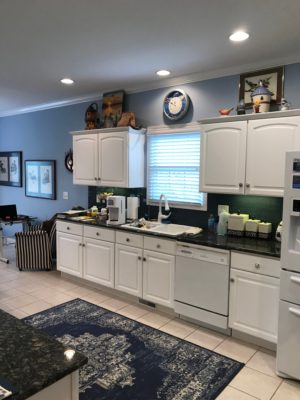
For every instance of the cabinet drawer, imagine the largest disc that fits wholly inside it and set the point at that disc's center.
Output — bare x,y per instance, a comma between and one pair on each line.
256,263
290,286
130,239
99,233
161,245
75,229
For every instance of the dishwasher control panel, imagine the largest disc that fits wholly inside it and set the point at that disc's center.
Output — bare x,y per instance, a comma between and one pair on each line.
219,257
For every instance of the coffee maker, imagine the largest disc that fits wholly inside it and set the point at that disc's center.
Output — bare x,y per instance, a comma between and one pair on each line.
116,210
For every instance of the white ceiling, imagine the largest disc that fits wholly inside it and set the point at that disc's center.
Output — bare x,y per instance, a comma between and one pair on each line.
119,44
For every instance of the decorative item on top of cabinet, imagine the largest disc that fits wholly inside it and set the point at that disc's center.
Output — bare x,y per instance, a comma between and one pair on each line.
261,98
109,157
112,108
92,117
271,78
224,112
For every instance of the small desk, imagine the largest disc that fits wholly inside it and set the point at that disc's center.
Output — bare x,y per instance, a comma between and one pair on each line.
21,219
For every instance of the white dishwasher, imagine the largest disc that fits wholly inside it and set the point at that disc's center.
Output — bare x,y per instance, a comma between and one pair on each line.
201,287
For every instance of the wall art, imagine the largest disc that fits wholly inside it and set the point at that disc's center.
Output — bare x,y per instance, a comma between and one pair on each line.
40,179
11,168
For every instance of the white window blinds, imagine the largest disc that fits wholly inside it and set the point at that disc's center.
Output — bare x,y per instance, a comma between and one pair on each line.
173,166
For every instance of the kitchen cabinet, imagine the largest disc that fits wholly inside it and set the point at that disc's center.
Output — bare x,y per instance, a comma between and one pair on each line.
109,157
86,252
247,157
159,270
254,295
129,263
145,267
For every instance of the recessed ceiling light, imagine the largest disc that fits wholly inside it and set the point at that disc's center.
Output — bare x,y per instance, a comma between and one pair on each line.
239,36
163,72
67,81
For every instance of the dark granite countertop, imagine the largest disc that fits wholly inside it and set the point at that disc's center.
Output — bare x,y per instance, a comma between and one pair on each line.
268,248
29,360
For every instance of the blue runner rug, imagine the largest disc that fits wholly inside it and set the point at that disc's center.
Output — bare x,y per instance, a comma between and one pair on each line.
131,361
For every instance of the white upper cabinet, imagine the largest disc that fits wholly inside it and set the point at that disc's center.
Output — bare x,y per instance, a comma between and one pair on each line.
267,142
109,157
247,157
223,157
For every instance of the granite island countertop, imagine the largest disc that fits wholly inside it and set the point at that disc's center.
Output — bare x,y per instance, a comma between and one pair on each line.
30,360
268,248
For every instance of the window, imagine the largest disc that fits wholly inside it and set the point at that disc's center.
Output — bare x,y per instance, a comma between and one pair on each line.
173,167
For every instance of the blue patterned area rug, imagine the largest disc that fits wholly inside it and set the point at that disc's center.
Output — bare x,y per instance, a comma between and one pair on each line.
131,361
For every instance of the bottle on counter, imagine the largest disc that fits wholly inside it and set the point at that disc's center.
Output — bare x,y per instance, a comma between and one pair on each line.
223,223
211,223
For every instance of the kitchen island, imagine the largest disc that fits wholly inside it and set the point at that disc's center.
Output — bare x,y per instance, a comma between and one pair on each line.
35,365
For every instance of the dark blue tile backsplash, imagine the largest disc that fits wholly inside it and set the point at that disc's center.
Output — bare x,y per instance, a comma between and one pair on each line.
264,208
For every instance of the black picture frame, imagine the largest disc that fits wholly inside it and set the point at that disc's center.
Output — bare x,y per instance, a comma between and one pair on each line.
275,77
40,179
11,168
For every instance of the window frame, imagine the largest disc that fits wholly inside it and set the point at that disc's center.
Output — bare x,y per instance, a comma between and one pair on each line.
172,130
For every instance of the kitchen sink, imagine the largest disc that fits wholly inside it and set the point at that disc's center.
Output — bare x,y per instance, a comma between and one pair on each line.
163,229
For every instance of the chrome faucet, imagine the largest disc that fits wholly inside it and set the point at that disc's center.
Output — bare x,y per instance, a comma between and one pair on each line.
161,216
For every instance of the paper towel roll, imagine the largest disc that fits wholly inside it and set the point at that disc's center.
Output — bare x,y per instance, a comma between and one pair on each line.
132,207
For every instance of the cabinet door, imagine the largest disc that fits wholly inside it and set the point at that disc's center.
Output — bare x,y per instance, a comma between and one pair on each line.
267,142
253,306
85,159
98,262
223,157
113,159
128,269
158,278
69,253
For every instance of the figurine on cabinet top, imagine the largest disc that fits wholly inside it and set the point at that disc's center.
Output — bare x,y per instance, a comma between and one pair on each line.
92,117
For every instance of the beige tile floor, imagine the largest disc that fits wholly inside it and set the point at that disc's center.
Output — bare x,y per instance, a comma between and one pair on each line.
25,293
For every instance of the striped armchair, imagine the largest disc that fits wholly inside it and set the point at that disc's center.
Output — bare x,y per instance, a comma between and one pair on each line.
35,249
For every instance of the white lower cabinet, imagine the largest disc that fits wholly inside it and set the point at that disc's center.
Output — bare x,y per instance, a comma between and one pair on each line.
129,269
158,278
254,298
87,252
98,262
69,253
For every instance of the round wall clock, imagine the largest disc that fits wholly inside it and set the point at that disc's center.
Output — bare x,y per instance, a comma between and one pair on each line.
176,104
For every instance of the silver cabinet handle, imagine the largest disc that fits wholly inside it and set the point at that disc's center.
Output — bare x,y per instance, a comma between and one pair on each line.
257,265
295,279
294,311
186,251
240,184
232,280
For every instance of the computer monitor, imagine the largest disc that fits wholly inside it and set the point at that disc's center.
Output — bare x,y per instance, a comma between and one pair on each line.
8,212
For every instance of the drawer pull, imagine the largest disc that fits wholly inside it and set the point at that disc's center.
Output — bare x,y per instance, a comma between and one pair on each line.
257,265
158,246
186,252
127,240
231,280
240,185
79,244
144,259
83,245
294,311
295,279
96,178
247,185
68,228
97,233
139,258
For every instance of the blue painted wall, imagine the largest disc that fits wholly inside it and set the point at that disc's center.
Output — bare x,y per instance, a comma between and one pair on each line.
45,134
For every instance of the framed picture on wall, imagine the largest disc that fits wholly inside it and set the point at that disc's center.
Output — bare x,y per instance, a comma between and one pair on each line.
40,179
11,168
272,78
